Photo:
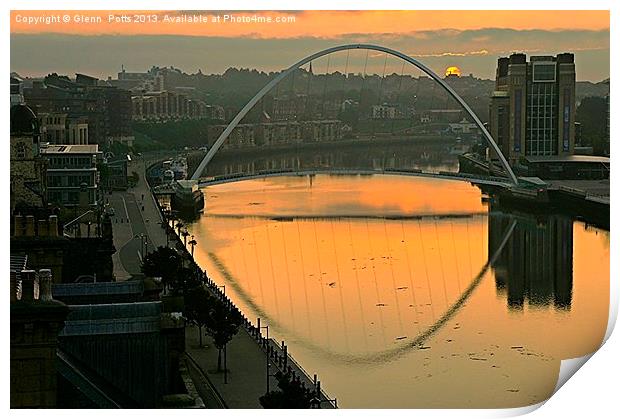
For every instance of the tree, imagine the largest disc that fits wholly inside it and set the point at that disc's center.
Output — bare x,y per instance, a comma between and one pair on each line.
185,281
179,226
221,324
197,305
163,262
592,115
290,396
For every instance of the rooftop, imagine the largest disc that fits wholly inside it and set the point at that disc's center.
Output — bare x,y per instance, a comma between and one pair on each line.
567,159
71,149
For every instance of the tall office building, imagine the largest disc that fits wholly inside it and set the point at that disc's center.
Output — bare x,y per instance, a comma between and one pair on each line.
532,111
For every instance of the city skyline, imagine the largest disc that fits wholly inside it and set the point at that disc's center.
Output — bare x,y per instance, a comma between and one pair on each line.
440,39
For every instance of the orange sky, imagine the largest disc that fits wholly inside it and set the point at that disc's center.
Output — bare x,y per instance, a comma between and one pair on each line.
318,23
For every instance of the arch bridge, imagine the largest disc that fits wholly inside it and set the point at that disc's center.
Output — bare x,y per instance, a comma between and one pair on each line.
512,179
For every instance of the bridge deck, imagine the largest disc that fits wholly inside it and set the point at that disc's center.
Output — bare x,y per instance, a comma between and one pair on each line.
236,177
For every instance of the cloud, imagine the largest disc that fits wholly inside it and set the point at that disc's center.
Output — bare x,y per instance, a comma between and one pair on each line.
474,51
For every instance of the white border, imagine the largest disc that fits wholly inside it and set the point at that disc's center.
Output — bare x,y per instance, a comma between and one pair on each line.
592,393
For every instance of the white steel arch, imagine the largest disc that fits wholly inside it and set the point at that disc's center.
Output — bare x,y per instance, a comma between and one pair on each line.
269,86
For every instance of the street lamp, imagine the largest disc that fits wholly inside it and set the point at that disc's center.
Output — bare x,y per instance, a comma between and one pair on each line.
267,357
193,243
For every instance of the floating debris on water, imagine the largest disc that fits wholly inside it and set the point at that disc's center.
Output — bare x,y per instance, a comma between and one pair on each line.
380,305
401,337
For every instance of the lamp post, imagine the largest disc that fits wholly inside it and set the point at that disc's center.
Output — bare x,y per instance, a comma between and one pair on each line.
193,243
185,233
267,357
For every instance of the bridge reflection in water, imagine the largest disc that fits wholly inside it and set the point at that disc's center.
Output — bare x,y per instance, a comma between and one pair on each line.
381,285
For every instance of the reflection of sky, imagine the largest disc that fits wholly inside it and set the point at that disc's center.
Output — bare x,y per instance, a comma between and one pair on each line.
339,196
344,291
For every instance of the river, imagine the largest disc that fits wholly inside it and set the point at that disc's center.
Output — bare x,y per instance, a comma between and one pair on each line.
381,285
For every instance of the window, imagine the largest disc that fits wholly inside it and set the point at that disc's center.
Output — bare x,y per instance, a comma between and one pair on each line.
543,72
20,151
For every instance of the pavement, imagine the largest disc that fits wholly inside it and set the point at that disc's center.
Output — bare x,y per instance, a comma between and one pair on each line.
247,368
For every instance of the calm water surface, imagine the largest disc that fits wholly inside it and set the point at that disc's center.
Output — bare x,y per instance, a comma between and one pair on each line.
380,285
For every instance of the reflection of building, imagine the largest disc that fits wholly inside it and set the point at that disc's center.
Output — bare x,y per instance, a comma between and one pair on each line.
532,111
72,175
536,265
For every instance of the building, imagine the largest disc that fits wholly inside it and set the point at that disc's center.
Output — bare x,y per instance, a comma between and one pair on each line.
106,109
58,128
72,175
36,320
383,112
324,130
242,136
464,127
275,133
532,110
17,90
28,167
171,106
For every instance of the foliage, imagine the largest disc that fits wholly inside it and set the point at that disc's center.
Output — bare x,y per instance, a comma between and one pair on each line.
133,179
165,263
197,303
290,396
592,115
172,134
221,324
185,281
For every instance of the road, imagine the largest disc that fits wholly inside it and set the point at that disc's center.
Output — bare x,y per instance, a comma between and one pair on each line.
135,214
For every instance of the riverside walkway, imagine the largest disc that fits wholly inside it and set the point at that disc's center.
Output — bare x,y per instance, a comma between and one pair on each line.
247,354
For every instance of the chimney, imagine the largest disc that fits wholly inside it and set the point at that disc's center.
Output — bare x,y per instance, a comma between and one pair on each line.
29,225
43,227
45,285
27,277
18,226
53,226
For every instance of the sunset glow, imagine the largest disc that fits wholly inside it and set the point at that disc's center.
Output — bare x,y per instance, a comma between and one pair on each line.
321,24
